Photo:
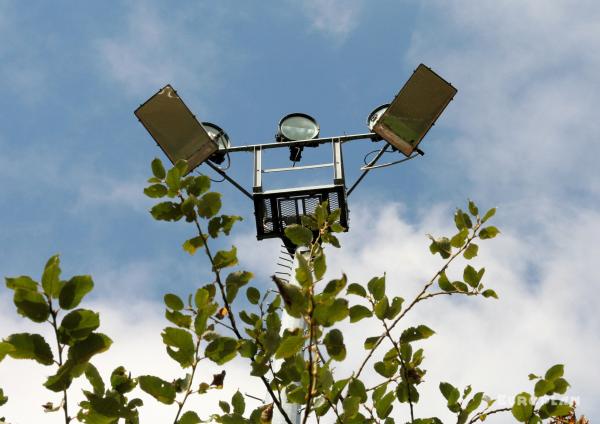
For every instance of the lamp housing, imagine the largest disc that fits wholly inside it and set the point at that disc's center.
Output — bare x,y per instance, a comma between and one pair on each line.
295,127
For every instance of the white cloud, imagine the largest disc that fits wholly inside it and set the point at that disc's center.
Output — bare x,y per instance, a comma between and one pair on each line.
333,18
156,49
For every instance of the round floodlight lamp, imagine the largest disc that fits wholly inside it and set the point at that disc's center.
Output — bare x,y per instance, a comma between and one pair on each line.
220,137
375,115
297,126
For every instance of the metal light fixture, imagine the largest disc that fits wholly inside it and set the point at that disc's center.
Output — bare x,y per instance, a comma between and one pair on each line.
221,138
175,129
414,110
295,127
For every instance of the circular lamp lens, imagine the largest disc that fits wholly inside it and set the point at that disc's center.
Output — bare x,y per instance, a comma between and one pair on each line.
217,135
298,126
375,115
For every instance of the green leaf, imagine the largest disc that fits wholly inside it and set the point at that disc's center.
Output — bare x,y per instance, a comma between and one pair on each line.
381,307
166,211
194,244
5,349
441,246
471,251
449,392
198,185
488,214
156,191
74,290
158,170
189,417
460,286
221,350
23,282
320,266
395,308
290,345
201,298
370,342
358,312
488,232
158,388
489,293
29,346
3,399
560,385
473,208
51,277
62,379
474,402
173,302
79,324
334,343
543,387
234,282
328,314
83,350
351,405
299,235
253,295
555,372
295,301
522,408
222,223
376,287
31,304
303,273
460,238
93,376
238,403
225,258
472,277
121,381
357,290
416,333
173,179
444,283
384,405
180,345
209,204
357,388
386,368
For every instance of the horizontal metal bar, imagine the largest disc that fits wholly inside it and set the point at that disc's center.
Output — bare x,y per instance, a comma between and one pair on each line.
296,168
275,145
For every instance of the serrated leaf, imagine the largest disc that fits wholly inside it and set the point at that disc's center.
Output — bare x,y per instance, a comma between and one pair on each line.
221,350
299,235
158,170
74,290
180,345
156,191
357,290
31,304
79,324
359,312
199,184
158,388
412,334
51,277
166,211
29,346
522,408
376,287
23,282
234,282
209,204
253,295
174,302
238,403
488,232
289,346
320,266
93,376
334,343
225,258
189,417
194,244
471,251
555,372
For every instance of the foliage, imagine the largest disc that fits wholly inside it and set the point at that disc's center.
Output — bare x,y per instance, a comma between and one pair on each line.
217,324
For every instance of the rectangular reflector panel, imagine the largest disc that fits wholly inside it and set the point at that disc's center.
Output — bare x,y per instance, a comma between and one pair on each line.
176,130
414,110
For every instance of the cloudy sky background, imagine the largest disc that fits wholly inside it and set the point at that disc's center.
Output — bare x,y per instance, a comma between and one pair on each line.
522,135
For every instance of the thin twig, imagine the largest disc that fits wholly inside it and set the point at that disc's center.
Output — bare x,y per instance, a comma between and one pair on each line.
495,411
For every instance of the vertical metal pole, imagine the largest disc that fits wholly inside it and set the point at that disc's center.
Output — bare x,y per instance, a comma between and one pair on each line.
292,410
257,185
338,164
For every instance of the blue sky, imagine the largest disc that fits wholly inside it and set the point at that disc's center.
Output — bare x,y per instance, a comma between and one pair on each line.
522,134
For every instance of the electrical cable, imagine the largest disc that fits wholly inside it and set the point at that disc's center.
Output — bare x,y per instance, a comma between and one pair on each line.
384,165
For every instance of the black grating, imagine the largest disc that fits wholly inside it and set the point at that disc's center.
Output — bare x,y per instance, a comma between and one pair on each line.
276,210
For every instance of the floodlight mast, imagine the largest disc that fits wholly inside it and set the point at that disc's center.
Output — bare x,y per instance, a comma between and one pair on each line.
402,124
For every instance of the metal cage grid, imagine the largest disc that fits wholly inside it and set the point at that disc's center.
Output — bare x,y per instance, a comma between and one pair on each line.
275,210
